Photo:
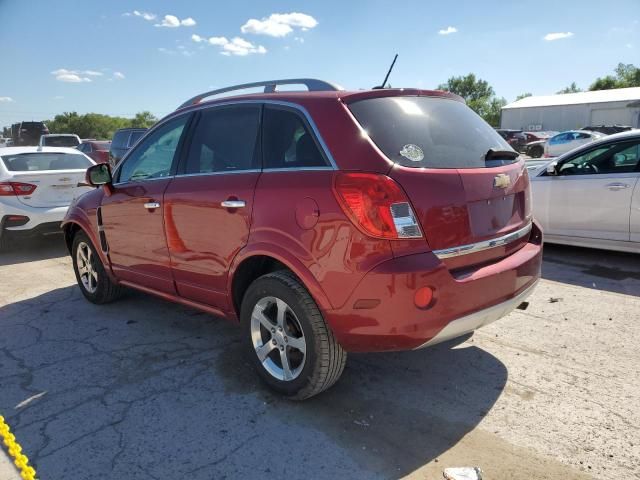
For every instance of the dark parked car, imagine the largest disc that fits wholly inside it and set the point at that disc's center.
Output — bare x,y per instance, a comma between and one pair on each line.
608,129
97,150
27,134
123,140
516,138
319,228
535,143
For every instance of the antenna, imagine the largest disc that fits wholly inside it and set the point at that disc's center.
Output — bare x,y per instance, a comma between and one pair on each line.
384,82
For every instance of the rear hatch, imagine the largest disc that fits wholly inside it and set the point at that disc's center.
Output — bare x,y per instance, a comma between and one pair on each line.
465,182
56,177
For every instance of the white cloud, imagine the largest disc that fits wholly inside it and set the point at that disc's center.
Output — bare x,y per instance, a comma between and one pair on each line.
299,39
628,45
118,75
279,24
549,37
6,99
72,78
146,15
92,73
166,50
197,38
171,21
218,41
447,31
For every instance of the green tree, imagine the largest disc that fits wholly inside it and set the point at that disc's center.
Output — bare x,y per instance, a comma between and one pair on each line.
626,75
478,94
143,120
96,125
573,88
523,95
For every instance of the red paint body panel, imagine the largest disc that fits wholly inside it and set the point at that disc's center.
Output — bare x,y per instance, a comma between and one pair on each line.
397,324
136,235
202,236
334,251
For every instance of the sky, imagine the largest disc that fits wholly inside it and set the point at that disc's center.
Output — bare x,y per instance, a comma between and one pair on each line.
122,57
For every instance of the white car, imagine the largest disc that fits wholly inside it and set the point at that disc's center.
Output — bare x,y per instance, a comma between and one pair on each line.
59,140
567,141
37,184
590,197
3,142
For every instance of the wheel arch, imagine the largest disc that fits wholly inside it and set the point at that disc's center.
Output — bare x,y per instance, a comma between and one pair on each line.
256,261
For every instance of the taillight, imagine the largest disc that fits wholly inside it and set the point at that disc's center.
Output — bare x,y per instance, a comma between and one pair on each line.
377,205
16,188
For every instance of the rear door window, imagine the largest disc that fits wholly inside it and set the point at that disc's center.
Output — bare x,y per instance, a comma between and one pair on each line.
428,132
288,141
225,140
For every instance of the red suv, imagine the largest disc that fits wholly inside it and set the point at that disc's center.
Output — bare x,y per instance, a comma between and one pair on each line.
324,222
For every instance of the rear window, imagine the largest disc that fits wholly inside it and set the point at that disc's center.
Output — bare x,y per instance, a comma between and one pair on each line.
428,132
61,141
120,139
33,162
135,136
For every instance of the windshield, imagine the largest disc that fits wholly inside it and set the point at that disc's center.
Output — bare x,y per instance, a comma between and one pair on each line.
32,162
429,132
61,141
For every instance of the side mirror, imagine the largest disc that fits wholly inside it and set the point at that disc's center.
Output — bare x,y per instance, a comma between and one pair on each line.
99,174
552,168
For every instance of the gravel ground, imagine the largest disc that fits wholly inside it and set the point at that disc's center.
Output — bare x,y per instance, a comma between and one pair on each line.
145,389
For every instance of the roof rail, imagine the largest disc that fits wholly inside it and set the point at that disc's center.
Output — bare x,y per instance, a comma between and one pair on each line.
269,87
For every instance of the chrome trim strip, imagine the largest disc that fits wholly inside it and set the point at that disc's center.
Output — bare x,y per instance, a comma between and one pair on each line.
485,245
474,321
202,106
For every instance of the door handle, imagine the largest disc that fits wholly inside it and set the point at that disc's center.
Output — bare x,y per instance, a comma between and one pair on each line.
233,204
616,186
151,205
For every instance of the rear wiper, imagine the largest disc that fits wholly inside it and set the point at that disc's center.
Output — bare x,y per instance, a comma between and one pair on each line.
501,154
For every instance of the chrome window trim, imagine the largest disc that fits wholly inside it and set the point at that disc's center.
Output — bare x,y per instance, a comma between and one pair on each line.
484,245
282,103
203,106
206,174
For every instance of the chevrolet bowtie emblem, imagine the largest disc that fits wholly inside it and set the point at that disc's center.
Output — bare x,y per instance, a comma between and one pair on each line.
501,181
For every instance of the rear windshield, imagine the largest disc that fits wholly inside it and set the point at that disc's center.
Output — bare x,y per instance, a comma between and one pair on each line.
429,132
33,162
61,141
135,136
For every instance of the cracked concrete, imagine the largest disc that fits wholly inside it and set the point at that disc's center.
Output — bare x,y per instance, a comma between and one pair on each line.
144,389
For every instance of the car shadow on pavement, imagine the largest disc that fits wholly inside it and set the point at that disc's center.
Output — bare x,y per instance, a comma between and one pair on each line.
143,388
617,272
34,249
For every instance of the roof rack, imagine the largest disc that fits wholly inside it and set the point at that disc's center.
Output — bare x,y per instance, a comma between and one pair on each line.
312,85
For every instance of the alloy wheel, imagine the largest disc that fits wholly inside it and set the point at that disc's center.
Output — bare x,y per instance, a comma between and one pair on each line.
278,339
86,269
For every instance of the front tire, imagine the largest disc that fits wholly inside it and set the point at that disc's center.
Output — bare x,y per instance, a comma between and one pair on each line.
91,276
287,339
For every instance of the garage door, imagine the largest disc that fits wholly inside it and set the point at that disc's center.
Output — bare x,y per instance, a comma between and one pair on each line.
610,116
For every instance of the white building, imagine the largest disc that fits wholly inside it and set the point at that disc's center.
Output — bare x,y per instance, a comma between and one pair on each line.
569,111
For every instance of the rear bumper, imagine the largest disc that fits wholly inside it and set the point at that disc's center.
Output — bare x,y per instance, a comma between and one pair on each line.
36,215
463,300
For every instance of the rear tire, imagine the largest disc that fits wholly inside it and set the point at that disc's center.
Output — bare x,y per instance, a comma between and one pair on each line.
91,276
287,339
536,152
